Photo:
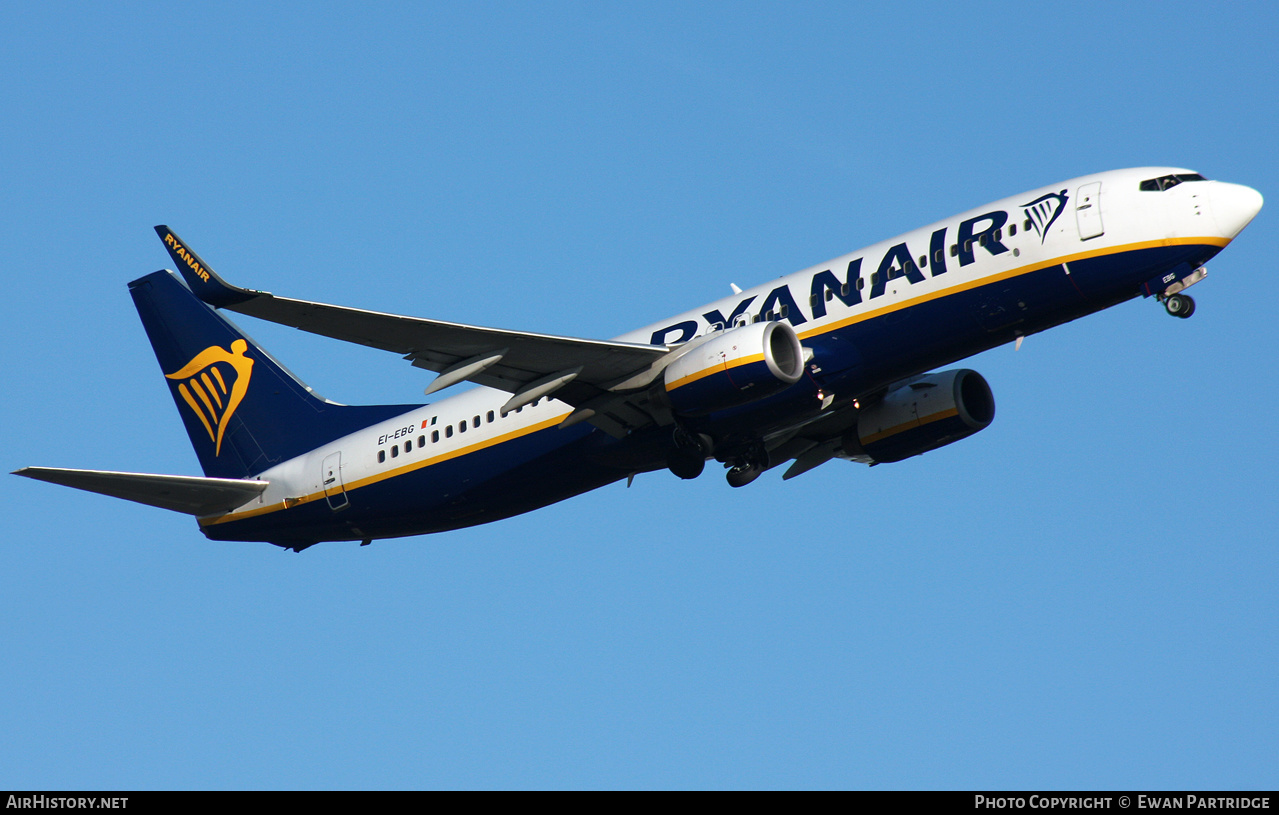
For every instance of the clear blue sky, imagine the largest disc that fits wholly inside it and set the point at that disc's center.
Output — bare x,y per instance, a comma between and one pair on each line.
1081,596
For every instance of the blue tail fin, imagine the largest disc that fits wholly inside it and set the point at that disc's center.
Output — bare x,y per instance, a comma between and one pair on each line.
243,410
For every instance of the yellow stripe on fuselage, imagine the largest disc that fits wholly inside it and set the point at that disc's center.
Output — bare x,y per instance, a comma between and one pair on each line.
1001,276
387,474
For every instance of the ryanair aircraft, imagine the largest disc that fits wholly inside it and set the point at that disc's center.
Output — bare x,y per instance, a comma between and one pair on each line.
829,362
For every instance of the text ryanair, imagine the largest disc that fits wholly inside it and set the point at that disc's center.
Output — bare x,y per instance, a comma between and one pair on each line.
899,261
191,262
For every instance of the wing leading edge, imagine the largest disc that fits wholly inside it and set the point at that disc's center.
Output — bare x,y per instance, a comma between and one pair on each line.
606,381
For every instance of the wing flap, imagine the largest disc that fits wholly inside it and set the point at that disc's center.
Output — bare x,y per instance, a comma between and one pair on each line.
180,493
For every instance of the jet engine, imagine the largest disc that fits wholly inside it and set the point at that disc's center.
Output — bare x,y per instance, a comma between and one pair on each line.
734,367
919,415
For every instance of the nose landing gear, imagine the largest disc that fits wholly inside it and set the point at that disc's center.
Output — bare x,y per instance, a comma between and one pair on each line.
1179,305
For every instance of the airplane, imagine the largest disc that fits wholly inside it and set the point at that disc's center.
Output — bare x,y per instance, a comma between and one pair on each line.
835,361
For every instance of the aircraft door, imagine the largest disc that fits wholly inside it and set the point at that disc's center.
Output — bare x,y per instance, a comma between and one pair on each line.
1088,211
331,478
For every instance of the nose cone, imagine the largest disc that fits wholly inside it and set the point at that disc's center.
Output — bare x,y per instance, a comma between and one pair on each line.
1234,206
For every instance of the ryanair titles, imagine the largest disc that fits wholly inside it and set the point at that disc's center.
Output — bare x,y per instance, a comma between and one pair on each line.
187,257
983,231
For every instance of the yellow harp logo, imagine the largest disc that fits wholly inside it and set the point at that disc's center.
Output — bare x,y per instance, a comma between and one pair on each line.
203,384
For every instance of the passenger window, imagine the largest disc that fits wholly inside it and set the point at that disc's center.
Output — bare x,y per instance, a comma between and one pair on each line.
938,256
475,422
395,450
861,284
1012,230
490,417
783,311
923,261
1025,225
448,432
381,456
421,442
435,436
954,249
461,426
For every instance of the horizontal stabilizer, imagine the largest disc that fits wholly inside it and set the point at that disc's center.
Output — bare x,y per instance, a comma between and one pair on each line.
179,493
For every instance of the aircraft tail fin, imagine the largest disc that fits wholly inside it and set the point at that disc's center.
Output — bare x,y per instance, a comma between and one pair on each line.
243,410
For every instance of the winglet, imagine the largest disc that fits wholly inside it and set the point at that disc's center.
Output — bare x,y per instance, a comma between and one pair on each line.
202,280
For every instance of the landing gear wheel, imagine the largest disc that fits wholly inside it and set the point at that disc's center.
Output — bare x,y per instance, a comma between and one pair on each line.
688,458
1180,305
743,474
686,462
749,466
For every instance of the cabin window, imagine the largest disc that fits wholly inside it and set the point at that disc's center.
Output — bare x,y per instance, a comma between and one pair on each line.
435,436
982,240
475,422
1012,230
874,278
968,246
785,309
861,284
954,249
421,441
395,450
490,417
939,256
923,261
381,456
461,426
408,446
448,431
999,233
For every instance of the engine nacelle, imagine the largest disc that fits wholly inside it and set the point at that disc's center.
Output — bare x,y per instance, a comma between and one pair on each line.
921,415
735,367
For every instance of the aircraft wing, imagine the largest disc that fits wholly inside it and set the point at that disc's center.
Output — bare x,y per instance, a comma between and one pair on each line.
180,493
588,374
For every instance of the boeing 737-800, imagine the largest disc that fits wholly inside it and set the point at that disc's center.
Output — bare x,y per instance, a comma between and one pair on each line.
832,362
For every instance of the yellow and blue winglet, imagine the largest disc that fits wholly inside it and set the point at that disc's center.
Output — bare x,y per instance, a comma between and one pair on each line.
202,280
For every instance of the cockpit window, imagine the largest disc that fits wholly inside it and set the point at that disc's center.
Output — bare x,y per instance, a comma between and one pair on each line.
1167,182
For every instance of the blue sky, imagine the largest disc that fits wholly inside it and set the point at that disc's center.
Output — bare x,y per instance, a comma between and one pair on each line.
1082,596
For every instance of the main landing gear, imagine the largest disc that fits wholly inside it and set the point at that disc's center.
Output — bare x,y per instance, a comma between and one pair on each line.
1179,305
688,458
747,467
